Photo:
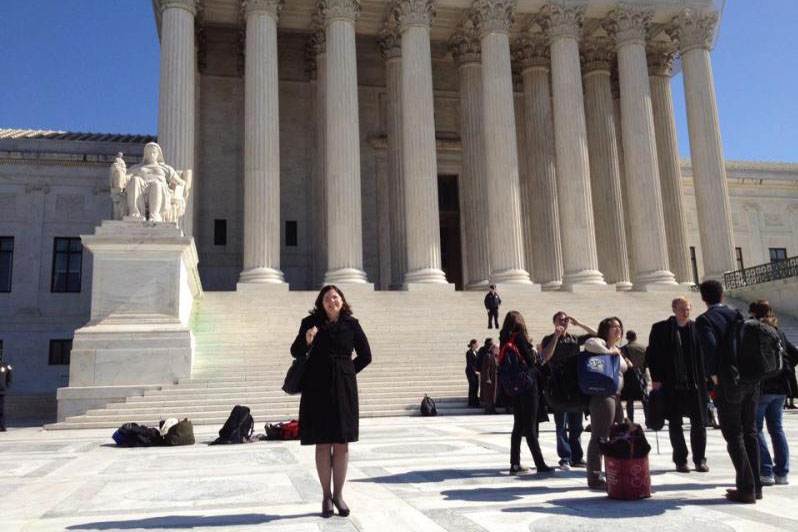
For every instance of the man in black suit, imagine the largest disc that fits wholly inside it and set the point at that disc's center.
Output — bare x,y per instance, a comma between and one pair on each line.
736,401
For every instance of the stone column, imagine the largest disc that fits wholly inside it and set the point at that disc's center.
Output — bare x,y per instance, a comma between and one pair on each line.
580,262
492,19
342,150
539,186
616,107
660,60
628,26
176,102
316,56
692,30
391,48
261,146
605,178
419,157
464,47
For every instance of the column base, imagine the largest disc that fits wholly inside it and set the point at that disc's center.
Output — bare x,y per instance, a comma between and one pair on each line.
584,281
656,281
345,276
261,275
256,288
477,286
623,286
517,288
514,276
551,286
425,276
429,287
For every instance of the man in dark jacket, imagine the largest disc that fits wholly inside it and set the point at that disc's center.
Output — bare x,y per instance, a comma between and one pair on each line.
492,303
472,374
677,368
736,401
5,382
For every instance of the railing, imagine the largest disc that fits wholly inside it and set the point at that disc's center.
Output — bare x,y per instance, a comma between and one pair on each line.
763,273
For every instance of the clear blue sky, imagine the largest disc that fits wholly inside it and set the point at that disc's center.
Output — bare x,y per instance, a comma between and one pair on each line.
92,65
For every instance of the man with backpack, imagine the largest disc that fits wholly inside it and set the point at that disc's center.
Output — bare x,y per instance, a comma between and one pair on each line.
736,399
492,303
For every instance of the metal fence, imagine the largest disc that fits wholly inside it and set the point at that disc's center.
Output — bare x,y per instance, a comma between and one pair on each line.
763,273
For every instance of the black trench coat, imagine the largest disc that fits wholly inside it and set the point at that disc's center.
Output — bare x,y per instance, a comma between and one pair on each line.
328,409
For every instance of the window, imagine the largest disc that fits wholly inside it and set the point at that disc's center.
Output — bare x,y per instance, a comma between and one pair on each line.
777,254
67,262
220,232
1,350
6,260
739,254
59,352
694,264
290,233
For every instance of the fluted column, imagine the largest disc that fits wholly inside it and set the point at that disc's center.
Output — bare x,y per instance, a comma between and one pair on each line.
176,103
505,233
261,146
419,157
391,48
660,60
580,262
464,47
317,57
616,107
342,151
628,26
693,31
539,186
605,178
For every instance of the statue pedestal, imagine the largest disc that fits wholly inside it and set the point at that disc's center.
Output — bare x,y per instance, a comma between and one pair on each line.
144,281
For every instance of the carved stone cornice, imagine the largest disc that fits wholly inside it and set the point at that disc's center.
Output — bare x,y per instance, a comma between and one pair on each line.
531,51
597,54
492,16
560,21
188,5
269,7
390,39
464,44
413,13
628,24
660,55
348,10
693,29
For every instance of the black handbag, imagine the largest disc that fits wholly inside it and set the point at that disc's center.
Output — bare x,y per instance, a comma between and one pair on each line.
292,384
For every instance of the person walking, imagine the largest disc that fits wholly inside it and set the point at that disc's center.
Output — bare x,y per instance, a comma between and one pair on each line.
525,404
677,368
773,470
558,348
492,304
602,409
328,408
736,401
472,374
635,383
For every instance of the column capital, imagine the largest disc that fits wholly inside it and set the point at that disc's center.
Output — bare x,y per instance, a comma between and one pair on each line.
390,39
560,21
348,10
268,7
413,13
492,16
660,55
693,29
531,51
188,5
628,24
464,44
597,54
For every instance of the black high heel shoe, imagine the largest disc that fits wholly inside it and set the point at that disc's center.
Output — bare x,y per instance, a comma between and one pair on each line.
327,507
343,510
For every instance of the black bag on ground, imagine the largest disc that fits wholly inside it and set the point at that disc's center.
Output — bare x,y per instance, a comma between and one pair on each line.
654,410
626,441
135,435
428,406
238,427
182,433
758,349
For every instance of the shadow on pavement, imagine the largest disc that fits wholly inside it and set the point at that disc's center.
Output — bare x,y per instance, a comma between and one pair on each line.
601,506
187,521
434,475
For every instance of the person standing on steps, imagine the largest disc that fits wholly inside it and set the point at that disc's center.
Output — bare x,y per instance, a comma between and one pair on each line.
328,409
492,304
677,368
472,374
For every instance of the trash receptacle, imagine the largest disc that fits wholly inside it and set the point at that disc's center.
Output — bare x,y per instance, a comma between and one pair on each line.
626,462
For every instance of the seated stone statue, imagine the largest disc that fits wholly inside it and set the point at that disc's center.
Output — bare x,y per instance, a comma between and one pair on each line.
150,190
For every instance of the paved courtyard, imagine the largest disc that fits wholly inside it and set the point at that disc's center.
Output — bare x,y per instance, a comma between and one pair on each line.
419,474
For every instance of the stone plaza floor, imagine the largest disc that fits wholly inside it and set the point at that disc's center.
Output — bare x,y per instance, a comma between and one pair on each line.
405,474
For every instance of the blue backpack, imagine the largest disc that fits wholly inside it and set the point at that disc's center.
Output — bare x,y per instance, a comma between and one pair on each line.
513,372
599,374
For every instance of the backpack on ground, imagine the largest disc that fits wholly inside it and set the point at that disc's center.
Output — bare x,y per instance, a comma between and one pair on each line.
757,349
599,374
562,390
284,430
135,435
181,433
513,373
238,427
428,406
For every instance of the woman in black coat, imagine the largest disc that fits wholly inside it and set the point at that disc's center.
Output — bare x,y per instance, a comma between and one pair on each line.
328,410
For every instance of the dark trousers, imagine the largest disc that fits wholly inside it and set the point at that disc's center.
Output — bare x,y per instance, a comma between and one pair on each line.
473,387
525,423
698,431
493,314
2,411
737,416
569,430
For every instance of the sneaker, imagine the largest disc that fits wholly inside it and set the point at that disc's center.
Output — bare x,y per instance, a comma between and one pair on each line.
781,481
579,463
516,469
767,481
564,465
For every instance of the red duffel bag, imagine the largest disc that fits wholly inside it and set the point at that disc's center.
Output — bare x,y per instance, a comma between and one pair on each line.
627,478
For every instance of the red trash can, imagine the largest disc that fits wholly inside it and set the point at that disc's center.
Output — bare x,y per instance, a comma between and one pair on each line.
627,478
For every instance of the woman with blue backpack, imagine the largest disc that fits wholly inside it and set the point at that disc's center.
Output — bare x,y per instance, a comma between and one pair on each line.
518,376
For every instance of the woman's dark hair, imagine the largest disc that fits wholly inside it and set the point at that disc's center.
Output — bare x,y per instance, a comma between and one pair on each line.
472,342
761,310
513,323
318,311
631,336
604,327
